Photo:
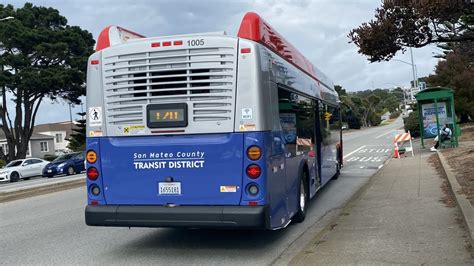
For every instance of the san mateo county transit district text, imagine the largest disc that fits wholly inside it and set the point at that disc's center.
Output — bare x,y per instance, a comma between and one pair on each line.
170,160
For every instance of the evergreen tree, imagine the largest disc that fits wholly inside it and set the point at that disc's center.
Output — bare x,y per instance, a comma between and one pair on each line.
77,141
41,57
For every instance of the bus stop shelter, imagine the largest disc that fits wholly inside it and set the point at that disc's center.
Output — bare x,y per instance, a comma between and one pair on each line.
436,108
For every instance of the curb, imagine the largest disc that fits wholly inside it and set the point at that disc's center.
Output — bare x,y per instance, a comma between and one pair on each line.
464,204
27,192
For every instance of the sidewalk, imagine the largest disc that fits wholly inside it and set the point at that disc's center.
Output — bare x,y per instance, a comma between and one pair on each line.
398,219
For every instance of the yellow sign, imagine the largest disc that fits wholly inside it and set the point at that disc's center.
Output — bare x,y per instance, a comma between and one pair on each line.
327,116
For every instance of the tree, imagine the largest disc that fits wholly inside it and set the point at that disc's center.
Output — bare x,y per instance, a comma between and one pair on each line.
404,23
457,73
77,140
369,110
340,90
41,57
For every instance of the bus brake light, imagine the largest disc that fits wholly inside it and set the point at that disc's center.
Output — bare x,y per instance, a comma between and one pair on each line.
254,171
245,50
92,173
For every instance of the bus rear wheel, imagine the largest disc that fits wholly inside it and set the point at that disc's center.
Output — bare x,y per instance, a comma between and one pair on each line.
302,200
338,171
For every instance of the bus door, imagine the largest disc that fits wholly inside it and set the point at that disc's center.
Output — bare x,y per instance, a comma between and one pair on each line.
330,135
277,166
297,119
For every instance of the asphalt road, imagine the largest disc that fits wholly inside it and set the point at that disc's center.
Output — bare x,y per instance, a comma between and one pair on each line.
50,229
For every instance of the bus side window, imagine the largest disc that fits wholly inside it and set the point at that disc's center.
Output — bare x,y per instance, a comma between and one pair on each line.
324,117
287,110
305,126
330,123
297,121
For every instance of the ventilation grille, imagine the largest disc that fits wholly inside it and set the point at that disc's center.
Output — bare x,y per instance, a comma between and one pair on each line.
202,77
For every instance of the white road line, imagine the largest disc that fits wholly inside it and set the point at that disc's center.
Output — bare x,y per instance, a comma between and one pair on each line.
385,134
350,153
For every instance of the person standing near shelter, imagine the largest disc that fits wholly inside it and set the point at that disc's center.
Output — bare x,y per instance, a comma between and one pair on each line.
445,134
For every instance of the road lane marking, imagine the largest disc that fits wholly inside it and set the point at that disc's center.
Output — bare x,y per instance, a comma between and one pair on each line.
385,134
350,153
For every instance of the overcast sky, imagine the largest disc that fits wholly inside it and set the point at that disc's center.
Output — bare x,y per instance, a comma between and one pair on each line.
317,28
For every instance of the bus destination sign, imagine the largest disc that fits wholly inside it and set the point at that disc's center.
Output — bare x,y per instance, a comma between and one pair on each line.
167,115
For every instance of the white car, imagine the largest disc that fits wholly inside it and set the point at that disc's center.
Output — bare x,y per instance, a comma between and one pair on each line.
22,169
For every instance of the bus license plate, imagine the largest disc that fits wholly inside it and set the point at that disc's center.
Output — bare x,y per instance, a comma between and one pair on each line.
169,188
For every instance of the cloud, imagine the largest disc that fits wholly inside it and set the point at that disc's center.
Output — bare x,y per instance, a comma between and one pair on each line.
317,28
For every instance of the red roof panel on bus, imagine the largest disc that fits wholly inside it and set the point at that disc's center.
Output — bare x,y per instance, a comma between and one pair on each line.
105,41
254,28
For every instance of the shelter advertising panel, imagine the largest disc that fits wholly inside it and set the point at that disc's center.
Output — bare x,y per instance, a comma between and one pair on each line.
429,118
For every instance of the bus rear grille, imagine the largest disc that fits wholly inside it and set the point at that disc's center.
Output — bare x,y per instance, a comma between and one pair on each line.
202,77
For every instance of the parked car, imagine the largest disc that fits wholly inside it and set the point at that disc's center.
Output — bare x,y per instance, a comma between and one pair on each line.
69,164
22,169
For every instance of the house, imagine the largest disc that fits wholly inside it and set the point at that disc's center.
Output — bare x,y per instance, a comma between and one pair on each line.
47,139
39,145
60,131
385,116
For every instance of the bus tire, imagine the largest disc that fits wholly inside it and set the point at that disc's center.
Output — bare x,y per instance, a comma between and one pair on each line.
338,171
338,164
302,199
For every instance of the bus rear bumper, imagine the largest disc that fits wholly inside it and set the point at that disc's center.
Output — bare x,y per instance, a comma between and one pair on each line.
179,216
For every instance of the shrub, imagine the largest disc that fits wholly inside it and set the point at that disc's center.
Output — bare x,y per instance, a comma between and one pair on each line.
2,163
353,122
395,114
50,157
374,119
412,124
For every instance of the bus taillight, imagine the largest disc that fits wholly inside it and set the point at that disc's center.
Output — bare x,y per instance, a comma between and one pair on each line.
92,173
253,189
254,153
91,156
254,171
95,190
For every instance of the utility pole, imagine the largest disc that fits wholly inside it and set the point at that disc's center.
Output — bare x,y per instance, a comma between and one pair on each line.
414,72
70,114
415,79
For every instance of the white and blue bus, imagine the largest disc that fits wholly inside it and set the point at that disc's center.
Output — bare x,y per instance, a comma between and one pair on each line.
207,130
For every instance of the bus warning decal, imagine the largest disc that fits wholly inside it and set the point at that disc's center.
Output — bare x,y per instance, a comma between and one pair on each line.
95,116
228,189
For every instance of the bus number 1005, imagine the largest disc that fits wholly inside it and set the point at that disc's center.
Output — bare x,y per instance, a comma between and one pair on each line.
197,42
